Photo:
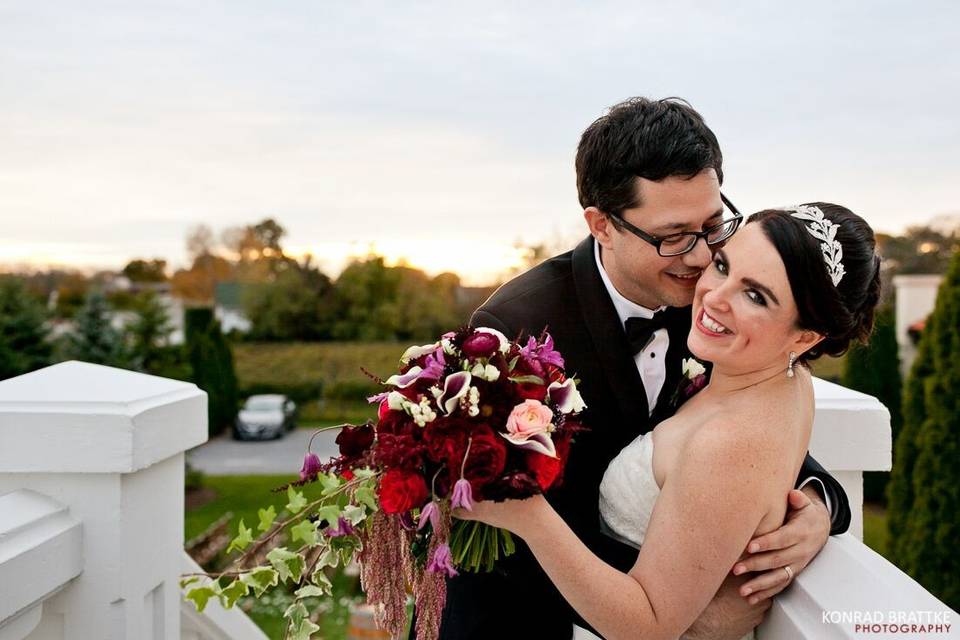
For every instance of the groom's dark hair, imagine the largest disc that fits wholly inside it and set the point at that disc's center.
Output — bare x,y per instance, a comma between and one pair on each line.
639,137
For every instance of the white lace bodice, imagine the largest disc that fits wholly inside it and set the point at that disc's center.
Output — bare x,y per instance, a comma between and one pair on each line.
628,492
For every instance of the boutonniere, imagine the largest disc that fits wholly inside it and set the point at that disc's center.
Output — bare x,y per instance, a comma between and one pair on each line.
694,379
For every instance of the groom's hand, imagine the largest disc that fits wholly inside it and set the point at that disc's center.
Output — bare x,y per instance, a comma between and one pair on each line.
793,545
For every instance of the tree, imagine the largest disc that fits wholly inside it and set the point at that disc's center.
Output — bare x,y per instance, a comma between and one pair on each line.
146,270
924,491
93,338
148,335
211,365
298,305
921,249
874,369
23,334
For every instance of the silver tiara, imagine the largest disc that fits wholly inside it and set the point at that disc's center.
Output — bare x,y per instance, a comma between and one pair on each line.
826,232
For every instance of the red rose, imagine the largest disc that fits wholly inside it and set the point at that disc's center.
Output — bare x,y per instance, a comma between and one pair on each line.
532,391
549,471
486,460
401,491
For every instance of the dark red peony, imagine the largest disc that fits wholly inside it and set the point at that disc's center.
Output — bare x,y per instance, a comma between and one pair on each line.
480,345
354,441
402,490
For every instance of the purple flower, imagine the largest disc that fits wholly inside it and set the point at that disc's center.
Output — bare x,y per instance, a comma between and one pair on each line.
377,399
455,387
343,528
435,363
442,561
542,353
311,467
462,495
429,513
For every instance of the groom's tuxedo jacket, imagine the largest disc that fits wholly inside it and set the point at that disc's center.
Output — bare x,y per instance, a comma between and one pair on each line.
566,296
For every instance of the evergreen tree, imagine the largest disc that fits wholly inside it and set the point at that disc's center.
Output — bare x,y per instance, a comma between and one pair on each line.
924,492
23,333
149,333
211,363
874,369
93,338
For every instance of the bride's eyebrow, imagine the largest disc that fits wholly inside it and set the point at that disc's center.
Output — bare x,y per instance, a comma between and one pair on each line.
750,282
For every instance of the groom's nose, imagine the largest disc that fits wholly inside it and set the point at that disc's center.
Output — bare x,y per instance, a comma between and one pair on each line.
700,256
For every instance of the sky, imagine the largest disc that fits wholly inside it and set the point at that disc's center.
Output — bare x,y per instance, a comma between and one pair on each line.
444,133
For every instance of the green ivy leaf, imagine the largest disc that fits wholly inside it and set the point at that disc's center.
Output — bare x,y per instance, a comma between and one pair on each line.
297,501
322,582
243,539
330,513
267,516
330,483
296,613
186,582
309,591
354,514
289,565
365,495
364,474
200,596
230,594
327,559
261,579
306,531
303,631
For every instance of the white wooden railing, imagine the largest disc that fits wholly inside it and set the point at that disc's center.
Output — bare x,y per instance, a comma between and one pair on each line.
91,515
91,507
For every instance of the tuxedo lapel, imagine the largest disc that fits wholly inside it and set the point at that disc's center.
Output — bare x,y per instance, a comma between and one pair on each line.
613,353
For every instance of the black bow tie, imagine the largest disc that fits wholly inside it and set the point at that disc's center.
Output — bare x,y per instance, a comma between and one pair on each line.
640,330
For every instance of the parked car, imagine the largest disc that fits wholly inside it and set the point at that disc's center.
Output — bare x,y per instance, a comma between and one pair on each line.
264,417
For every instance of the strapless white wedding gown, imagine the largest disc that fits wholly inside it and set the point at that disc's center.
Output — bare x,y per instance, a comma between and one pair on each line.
627,495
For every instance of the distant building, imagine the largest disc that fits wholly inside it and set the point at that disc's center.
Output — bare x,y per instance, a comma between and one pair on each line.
228,306
916,297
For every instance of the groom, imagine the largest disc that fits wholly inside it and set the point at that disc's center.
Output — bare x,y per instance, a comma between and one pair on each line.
619,312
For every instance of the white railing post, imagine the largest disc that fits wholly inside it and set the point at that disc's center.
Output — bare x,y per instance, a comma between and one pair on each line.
851,434
108,445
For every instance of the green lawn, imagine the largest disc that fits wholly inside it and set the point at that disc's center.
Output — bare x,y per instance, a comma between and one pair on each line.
875,528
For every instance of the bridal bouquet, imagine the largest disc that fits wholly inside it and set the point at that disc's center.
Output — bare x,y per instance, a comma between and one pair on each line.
470,417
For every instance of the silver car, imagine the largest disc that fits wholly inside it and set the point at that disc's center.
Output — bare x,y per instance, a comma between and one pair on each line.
264,417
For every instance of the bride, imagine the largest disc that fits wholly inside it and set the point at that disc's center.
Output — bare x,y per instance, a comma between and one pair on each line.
791,286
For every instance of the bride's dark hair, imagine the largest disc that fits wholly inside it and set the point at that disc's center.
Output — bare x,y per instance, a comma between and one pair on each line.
844,312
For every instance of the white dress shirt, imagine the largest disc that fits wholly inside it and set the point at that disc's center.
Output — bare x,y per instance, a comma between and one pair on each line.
651,362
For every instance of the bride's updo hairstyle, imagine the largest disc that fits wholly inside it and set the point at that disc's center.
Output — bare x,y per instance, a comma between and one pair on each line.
841,312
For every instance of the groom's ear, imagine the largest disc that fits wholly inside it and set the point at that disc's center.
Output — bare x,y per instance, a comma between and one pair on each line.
600,225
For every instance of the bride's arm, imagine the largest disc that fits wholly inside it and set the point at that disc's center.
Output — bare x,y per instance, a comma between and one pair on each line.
709,507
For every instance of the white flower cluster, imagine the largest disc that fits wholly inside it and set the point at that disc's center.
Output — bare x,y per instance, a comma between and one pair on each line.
489,372
421,412
473,402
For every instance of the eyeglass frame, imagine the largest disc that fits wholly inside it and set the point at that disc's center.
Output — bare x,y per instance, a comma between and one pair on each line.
656,242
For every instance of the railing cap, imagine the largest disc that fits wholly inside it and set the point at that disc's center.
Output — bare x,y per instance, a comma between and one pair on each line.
82,417
851,430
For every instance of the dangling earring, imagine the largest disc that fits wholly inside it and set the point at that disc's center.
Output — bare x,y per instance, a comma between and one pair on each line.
792,361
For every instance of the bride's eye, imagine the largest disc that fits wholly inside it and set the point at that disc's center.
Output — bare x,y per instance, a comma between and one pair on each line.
720,265
756,297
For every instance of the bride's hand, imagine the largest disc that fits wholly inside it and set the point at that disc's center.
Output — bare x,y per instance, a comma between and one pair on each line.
512,515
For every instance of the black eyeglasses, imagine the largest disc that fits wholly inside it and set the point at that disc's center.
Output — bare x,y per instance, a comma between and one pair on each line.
677,244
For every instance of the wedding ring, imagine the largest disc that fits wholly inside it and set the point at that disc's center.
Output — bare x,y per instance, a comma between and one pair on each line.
789,573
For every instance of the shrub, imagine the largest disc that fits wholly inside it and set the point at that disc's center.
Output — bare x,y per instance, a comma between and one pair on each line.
924,491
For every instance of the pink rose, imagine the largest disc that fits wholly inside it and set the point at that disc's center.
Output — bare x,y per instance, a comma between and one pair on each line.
529,418
529,426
